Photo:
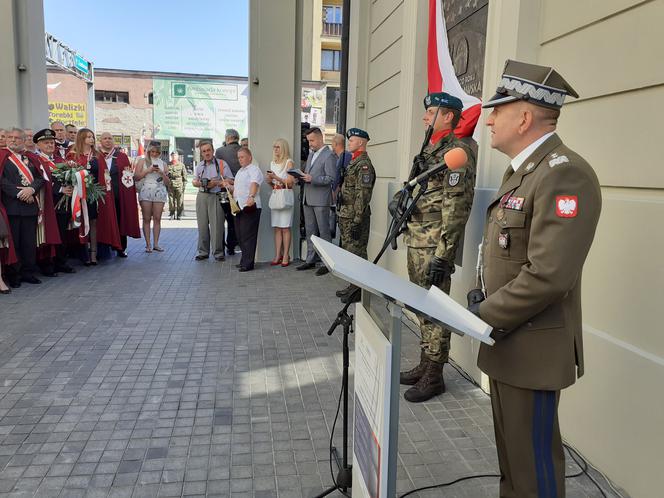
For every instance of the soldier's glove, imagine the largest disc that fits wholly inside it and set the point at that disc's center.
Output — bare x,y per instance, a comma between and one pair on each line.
439,270
475,297
356,232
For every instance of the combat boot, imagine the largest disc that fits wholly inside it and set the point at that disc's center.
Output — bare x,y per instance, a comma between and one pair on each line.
410,377
344,291
430,385
353,296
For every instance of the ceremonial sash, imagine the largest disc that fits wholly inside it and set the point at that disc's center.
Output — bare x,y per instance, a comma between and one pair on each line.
79,208
47,161
22,169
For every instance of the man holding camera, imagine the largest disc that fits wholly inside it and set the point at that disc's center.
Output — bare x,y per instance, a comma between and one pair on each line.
209,176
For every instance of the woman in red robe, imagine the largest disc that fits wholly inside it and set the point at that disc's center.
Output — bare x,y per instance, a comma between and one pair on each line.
103,220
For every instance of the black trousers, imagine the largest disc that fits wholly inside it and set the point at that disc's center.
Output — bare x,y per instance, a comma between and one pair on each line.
123,238
246,229
24,233
231,237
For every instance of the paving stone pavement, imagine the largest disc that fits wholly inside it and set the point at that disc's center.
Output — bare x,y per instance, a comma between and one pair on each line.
160,376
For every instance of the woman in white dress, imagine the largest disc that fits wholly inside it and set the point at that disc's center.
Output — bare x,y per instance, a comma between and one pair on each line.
151,175
282,186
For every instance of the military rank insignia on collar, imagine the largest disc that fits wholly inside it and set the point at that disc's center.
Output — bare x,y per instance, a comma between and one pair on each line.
453,179
530,166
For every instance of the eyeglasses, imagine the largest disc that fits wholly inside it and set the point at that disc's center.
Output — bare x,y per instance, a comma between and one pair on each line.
276,147
155,152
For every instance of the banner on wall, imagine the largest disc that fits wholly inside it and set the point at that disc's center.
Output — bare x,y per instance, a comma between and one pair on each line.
68,112
199,109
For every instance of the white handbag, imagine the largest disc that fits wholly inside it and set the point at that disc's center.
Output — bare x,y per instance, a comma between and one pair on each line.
281,198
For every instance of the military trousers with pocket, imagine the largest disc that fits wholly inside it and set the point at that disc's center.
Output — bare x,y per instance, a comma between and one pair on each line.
434,340
356,246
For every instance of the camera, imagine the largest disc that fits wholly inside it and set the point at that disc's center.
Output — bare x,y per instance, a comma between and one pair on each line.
204,184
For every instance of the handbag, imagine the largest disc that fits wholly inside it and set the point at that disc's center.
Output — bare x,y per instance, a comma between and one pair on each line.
281,198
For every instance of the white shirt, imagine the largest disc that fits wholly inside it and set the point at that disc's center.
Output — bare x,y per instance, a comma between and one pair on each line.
317,153
525,153
243,180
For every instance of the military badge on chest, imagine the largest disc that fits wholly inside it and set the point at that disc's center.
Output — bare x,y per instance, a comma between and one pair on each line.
503,240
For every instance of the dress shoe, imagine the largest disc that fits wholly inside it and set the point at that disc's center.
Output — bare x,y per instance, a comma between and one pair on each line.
49,273
6,291
354,296
15,284
306,266
65,269
121,254
322,271
238,265
31,280
230,252
220,258
248,268
344,291
200,257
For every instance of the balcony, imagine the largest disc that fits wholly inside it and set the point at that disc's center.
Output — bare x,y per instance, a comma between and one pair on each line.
331,29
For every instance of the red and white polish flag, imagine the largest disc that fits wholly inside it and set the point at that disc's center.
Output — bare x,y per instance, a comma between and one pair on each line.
441,75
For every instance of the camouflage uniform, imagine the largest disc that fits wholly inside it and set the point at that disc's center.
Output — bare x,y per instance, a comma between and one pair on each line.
435,229
354,210
177,173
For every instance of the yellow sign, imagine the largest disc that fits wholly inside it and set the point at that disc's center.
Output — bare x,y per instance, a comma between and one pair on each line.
68,112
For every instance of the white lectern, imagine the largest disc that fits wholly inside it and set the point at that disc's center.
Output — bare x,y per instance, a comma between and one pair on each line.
378,357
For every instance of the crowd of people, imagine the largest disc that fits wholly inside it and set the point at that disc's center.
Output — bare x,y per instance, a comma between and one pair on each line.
53,218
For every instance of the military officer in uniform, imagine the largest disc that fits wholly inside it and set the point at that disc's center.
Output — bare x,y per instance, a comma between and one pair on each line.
539,228
354,212
178,176
432,237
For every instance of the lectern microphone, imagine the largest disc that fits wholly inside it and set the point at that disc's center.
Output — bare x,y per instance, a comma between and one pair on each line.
453,159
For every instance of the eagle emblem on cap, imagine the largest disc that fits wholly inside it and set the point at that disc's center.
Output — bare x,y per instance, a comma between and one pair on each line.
427,100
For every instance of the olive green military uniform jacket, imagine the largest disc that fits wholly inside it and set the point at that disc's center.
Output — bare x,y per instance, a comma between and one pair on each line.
356,189
439,219
539,228
178,175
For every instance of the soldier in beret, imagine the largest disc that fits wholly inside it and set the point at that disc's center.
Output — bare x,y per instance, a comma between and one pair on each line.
354,212
539,228
433,234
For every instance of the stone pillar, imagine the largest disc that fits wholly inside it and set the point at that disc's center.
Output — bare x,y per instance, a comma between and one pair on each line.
23,99
274,95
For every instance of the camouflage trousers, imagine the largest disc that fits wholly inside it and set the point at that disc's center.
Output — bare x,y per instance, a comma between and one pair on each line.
435,340
356,246
176,201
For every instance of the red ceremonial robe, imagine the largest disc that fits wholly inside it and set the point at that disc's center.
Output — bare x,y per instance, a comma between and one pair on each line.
51,231
107,220
7,254
128,214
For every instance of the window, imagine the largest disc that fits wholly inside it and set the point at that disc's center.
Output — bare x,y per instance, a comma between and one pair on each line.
331,105
330,60
332,20
151,98
108,96
332,14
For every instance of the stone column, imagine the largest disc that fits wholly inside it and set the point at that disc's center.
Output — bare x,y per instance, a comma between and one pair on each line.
274,95
23,98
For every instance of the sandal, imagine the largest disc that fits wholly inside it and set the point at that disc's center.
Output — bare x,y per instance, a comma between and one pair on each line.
285,263
158,249
147,249
275,262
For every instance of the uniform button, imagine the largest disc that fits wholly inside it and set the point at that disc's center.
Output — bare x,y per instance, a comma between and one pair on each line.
530,324
504,223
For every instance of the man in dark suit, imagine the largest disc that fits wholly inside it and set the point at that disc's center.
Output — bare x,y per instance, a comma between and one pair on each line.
20,184
319,175
539,228
228,153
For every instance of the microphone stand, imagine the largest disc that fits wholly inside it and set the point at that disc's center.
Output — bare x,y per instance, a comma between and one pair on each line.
344,477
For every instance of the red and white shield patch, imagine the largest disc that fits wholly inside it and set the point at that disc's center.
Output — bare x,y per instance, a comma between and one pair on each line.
567,206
